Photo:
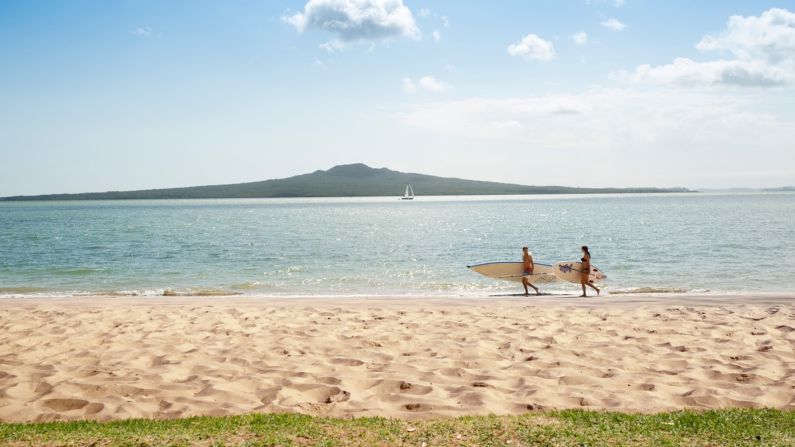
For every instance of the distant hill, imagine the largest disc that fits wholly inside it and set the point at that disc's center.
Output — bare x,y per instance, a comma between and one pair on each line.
781,189
355,180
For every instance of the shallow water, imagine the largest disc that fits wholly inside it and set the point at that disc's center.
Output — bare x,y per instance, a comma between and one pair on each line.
384,246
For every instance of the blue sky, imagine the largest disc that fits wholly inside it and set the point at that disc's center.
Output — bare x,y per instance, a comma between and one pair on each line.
99,95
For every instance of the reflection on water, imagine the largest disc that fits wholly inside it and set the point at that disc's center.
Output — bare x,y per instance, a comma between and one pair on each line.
385,246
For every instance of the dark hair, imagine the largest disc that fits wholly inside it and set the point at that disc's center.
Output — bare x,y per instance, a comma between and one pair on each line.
524,248
585,249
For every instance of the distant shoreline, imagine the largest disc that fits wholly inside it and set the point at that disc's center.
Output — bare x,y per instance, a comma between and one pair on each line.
660,191
68,198
355,180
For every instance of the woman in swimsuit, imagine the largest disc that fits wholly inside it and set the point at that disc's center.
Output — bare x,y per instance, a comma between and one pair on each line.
586,271
527,261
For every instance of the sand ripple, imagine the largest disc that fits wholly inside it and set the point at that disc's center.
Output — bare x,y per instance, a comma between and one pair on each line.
106,360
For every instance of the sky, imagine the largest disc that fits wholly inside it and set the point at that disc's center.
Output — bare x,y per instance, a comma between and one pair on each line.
137,94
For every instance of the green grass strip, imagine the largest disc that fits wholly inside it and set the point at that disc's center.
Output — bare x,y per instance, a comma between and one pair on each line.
729,427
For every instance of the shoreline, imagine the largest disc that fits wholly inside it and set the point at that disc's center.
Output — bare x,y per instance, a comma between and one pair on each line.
107,358
647,293
566,299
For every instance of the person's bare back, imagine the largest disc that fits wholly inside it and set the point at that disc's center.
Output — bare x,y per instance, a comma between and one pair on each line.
527,260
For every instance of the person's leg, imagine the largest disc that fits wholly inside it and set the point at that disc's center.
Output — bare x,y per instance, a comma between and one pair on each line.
534,287
524,283
582,283
590,284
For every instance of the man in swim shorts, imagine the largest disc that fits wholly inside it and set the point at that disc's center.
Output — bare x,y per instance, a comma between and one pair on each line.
527,260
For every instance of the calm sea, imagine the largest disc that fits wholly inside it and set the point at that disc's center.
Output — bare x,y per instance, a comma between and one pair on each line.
383,246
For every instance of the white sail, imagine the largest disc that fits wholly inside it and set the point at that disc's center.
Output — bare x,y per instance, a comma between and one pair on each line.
409,194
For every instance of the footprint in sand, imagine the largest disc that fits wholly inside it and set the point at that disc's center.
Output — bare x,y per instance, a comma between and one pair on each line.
347,362
93,408
159,360
574,380
417,407
400,386
530,407
472,398
65,404
413,388
268,395
43,388
314,393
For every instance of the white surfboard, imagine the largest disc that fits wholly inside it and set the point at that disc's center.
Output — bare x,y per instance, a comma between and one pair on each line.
571,270
514,271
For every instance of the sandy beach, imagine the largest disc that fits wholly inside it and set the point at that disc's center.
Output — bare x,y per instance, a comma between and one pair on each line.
109,358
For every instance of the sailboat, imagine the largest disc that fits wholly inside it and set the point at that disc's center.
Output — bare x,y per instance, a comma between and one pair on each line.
409,194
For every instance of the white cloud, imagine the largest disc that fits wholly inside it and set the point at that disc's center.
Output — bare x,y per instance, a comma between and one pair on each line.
614,3
356,20
509,124
532,47
143,31
613,24
409,86
433,85
333,45
633,135
686,72
436,35
580,38
770,37
764,55
427,83
481,117
445,21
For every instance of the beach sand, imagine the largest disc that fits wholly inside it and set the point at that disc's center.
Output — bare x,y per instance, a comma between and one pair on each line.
165,357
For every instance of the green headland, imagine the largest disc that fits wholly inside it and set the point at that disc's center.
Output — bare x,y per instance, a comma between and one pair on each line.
354,180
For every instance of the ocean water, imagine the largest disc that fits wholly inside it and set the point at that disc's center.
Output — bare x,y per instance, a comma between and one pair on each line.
703,242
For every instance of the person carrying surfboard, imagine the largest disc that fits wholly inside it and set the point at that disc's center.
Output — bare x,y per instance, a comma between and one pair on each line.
585,271
527,260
